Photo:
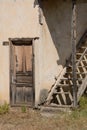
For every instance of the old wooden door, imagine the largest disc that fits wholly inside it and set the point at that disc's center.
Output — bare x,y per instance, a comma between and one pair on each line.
21,76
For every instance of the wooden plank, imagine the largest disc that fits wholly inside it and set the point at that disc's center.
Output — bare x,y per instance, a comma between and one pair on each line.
14,73
64,79
19,95
63,95
13,62
84,47
80,61
82,88
79,73
64,85
81,66
85,58
78,53
70,80
11,73
70,96
24,84
24,60
61,92
13,88
84,69
58,99
81,57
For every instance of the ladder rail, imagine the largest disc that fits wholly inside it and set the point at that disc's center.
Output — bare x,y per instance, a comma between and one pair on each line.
82,88
81,57
60,76
54,87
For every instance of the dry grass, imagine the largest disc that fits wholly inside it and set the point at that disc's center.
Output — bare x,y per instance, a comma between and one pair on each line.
33,120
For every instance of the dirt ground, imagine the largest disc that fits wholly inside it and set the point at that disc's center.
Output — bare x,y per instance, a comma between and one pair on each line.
34,120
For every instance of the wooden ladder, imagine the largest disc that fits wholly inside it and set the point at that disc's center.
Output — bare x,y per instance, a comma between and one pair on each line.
61,92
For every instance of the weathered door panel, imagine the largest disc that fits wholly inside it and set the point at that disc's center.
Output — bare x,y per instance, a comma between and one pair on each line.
21,74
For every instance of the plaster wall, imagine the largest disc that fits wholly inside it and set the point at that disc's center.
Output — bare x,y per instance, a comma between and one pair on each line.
18,19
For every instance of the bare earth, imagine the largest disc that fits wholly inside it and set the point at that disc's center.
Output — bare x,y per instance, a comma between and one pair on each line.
34,120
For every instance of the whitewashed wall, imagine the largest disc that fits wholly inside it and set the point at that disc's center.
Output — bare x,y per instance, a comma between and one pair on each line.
19,18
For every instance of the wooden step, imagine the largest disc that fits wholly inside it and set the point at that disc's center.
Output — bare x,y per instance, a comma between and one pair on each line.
81,71
82,66
77,66
77,73
70,79
80,61
66,79
78,53
84,47
62,92
66,85
63,85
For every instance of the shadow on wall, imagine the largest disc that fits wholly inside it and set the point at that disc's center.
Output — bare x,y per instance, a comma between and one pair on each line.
36,2
57,15
43,96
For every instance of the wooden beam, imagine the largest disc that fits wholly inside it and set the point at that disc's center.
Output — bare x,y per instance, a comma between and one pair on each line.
73,42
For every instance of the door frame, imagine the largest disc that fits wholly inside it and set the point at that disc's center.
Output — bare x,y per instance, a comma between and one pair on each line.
33,67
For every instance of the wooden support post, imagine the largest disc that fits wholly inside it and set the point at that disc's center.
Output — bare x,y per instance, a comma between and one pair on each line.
73,41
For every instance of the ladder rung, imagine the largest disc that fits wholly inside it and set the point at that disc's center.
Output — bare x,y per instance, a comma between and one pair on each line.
76,66
84,47
65,79
82,66
79,79
61,92
81,73
76,73
64,85
81,60
78,53
71,79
